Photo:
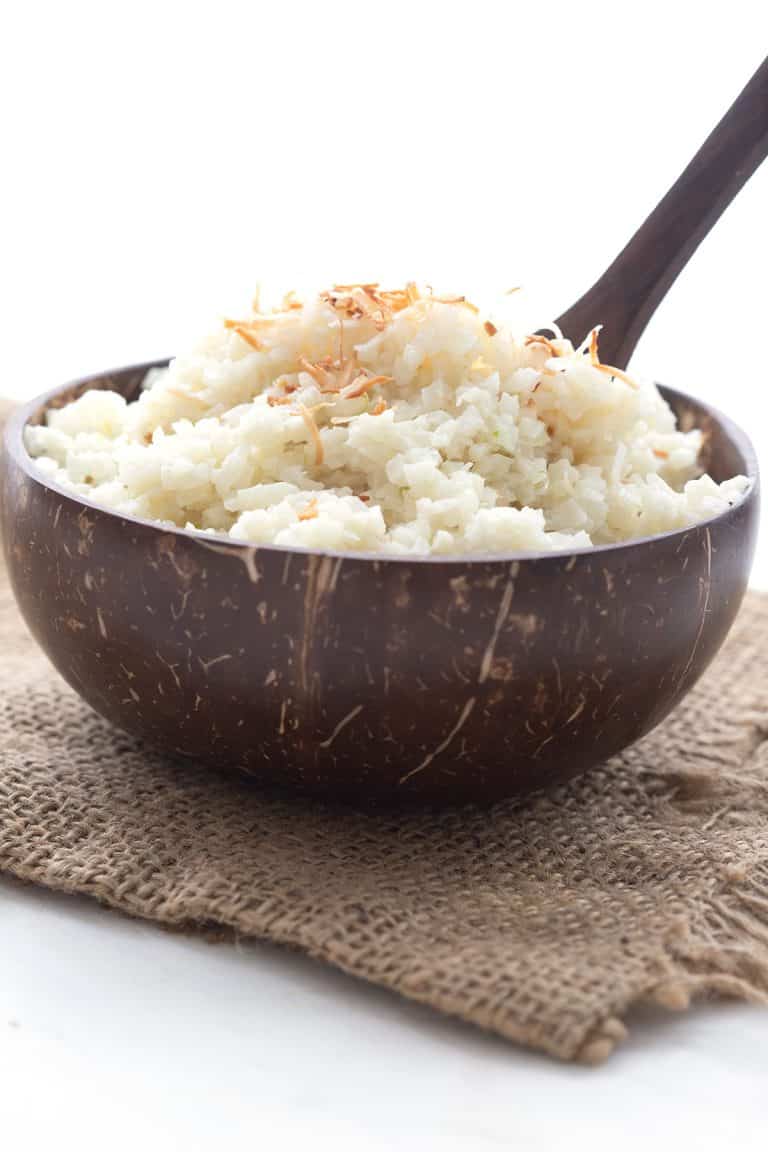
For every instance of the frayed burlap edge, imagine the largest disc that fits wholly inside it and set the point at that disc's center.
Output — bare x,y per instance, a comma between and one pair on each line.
721,950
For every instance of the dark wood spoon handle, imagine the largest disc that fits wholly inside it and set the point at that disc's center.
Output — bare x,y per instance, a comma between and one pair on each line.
628,293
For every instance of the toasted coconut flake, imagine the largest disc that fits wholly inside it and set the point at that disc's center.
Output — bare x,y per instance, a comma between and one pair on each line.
490,328
370,286
306,415
372,306
356,387
608,369
379,407
317,371
310,512
331,376
243,330
363,384
662,455
342,302
412,292
249,338
544,341
511,291
353,299
397,298
379,381
370,301
252,322
291,303
274,401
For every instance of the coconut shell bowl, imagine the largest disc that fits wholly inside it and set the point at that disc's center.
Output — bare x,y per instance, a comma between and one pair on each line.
374,678
385,678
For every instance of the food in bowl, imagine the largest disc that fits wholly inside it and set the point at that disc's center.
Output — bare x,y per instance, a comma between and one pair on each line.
388,422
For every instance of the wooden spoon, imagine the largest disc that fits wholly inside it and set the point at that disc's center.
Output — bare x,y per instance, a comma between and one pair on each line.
629,291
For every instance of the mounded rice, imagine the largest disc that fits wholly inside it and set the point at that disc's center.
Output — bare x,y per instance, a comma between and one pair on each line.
394,422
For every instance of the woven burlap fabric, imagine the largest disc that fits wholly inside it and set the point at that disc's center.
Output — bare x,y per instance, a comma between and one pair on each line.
646,879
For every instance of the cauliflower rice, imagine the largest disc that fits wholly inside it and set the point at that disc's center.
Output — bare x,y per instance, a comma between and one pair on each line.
393,422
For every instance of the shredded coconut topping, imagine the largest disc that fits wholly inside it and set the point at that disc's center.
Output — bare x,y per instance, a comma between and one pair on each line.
387,420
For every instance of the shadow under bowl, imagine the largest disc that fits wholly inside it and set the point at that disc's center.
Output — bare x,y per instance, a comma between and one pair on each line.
374,678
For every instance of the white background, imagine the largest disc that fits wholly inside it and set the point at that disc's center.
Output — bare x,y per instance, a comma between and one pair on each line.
160,159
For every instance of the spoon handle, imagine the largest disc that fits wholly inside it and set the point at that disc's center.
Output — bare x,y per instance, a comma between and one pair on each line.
629,291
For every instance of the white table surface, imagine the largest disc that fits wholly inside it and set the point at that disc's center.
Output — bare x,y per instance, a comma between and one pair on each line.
159,152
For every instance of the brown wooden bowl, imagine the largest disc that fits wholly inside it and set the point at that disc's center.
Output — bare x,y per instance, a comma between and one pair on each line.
371,677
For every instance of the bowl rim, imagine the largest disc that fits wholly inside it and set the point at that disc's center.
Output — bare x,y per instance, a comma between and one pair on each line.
13,439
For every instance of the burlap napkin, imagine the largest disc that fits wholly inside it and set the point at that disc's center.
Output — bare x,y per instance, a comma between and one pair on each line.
647,879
